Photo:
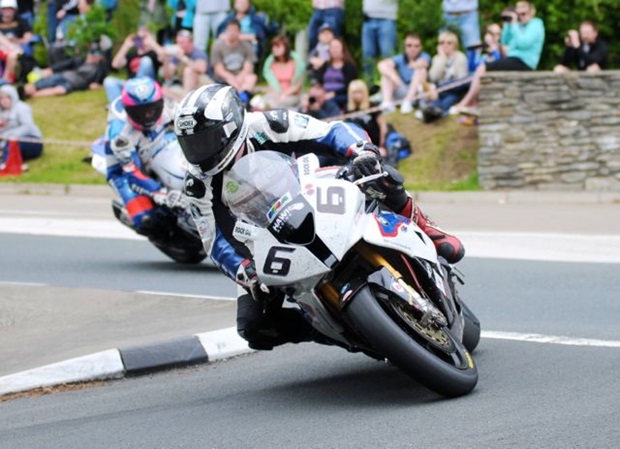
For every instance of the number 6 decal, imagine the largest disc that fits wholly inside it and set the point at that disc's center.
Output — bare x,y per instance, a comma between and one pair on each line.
278,266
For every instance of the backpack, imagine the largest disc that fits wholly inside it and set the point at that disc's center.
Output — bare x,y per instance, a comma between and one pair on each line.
398,147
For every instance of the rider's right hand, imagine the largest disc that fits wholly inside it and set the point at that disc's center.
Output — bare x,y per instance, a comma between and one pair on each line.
247,277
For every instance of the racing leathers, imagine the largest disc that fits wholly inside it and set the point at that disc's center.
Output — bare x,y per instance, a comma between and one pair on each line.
129,153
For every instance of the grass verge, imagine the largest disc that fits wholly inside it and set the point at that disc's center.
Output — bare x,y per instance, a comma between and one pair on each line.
444,153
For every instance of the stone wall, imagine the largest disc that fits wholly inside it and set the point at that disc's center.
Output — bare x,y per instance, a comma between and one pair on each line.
547,131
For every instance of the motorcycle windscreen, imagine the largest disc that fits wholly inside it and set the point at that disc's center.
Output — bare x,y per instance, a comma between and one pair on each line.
260,185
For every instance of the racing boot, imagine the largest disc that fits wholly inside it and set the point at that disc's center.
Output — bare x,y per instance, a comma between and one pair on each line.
448,246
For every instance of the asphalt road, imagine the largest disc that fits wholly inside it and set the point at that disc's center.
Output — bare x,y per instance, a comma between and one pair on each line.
530,395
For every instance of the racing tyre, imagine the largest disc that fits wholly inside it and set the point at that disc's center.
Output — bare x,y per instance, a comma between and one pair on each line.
471,328
431,355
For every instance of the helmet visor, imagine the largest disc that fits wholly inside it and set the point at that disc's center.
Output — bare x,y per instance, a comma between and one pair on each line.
146,115
208,148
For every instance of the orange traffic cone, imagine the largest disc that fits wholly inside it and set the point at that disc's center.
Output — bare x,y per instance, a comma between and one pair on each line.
13,164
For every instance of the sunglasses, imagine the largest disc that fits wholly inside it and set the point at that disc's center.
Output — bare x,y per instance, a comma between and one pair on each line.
522,14
446,42
413,45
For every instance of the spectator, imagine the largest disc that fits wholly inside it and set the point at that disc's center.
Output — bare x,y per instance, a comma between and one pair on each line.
329,12
523,35
188,63
141,55
253,25
233,61
16,36
320,53
372,122
25,10
16,122
448,66
207,19
182,15
404,74
316,104
153,16
283,71
378,32
336,74
67,11
492,43
75,74
584,50
463,15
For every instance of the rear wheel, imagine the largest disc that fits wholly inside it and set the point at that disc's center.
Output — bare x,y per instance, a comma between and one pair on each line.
429,354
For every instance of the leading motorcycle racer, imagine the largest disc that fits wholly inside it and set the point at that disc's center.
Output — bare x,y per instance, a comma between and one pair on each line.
215,131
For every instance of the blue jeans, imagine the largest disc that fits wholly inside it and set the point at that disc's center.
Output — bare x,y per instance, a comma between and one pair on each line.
52,21
334,17
450,97
378,40
54,80
114,86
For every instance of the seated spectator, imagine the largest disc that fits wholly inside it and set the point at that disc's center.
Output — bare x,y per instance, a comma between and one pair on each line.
141,55
233,61
319,55
523,37
316,104
584,50
16,36
329,12
372,122
403,75
253,25
187,63
16,123
491,47
336,74
462,15
283,71
74,74
448,65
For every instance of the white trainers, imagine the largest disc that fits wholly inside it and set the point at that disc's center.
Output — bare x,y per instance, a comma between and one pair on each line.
387,107
418,114
406,107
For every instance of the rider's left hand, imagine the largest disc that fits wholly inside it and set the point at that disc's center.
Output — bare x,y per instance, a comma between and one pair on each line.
170,199
367,162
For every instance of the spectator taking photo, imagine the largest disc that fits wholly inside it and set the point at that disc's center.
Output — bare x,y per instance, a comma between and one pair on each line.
584,50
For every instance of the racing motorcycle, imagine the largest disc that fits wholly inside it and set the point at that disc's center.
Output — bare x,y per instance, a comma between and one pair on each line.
174,233
366,278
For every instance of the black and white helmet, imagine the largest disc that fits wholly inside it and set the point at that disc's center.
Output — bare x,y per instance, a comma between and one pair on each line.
210,126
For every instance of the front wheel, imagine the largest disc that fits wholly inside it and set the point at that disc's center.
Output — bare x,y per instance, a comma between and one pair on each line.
431,355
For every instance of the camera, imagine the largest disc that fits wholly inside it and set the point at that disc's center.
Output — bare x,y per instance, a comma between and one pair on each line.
506,15
311,100
138,42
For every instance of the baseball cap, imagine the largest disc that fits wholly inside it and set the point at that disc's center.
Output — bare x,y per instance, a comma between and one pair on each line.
326,26
8,4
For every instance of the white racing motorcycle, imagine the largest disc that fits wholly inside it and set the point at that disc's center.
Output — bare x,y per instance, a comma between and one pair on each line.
175,234
366,278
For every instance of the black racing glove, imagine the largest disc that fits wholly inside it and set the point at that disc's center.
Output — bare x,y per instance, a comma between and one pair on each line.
367,162
389,189
247,277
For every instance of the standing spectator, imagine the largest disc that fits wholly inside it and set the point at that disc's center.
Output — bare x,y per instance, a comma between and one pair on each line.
207,19
52,21
67,11
372,122
153,16
140,55
253,25
448,66
283,71
25,10
233,61
584,50
463,15
75,74
330,12
188,62
404,74
378,32
316,104
16,122
182,16
319,55
336,74
523,37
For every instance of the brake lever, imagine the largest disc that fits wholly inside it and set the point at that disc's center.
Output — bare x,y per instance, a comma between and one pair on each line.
369,178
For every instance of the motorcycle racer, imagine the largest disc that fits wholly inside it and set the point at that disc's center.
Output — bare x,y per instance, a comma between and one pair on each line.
214,131
139,125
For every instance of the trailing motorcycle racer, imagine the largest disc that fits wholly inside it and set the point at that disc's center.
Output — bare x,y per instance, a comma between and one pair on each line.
214,131
139,125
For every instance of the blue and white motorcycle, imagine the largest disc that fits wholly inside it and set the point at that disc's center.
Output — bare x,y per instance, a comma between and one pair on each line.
366,278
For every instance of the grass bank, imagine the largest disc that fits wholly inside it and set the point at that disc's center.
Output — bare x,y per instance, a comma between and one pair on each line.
444,157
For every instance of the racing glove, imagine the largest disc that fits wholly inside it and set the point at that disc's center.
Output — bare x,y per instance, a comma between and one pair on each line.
367,162
247,277
389,190
170,198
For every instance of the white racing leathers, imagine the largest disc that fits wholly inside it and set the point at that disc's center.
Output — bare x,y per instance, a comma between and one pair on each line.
277,130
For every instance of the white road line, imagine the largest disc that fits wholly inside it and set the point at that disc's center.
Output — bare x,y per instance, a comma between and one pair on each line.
550,339
184,295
